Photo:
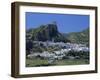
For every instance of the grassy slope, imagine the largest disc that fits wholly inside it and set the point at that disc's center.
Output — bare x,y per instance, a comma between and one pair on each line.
38,62
79,37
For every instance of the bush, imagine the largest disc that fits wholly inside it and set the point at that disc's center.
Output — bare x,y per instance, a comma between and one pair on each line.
81,54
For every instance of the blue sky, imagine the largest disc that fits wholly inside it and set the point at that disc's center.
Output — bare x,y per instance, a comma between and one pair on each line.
66,22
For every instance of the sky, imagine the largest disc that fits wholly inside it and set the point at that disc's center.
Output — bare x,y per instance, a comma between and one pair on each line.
66,22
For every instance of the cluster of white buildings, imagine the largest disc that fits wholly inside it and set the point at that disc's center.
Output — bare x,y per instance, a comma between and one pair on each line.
72,46
55,54
51,56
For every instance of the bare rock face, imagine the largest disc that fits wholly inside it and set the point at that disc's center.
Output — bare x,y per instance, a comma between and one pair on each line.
47,32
